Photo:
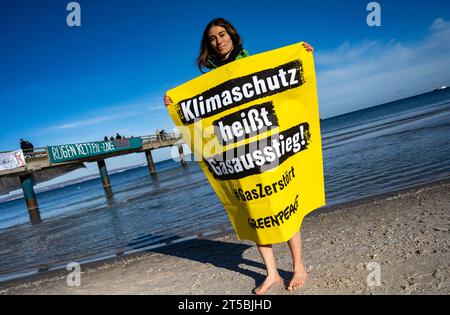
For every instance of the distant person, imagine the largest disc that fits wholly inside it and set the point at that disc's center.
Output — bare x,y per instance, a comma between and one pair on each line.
118,137
112,138
23,144
220,45
105,139
26,146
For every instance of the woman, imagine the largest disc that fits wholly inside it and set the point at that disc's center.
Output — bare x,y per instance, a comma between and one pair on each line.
221,44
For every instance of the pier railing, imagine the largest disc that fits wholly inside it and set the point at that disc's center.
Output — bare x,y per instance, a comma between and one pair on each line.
42,152
161,137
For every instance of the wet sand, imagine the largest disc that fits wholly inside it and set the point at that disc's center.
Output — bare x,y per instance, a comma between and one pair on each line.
404,235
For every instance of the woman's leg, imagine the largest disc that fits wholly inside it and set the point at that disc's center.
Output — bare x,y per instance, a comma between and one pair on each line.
300,275
273,276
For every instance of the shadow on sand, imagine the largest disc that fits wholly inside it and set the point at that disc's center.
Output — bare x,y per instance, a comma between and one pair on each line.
226,255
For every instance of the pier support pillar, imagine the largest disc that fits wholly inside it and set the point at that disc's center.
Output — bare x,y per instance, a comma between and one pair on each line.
151,165
180,151
35,216
109,194
28,192
104,174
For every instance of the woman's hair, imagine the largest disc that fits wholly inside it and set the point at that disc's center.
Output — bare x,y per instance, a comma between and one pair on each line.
207,52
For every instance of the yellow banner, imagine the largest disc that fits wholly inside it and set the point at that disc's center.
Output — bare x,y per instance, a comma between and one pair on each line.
253,125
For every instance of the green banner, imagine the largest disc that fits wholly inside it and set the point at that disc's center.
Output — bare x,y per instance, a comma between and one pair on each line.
71,152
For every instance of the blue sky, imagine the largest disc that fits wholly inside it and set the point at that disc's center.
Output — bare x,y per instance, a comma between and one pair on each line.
61,84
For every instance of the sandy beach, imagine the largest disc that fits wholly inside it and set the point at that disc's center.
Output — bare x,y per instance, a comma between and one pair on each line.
403,235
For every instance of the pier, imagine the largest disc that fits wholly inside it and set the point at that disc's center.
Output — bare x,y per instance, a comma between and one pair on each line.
56,156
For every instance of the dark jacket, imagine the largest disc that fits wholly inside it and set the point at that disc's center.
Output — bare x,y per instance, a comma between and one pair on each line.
236,53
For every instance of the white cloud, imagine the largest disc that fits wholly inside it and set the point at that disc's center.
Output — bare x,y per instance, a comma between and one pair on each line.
110,113
360,75
440,25
87,122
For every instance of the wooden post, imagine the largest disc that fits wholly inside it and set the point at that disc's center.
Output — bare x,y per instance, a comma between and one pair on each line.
151,165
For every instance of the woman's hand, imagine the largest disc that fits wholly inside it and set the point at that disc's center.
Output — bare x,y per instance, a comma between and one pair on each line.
308,47
167,100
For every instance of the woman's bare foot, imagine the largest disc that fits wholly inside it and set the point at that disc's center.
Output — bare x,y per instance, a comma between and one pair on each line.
270,280
298,279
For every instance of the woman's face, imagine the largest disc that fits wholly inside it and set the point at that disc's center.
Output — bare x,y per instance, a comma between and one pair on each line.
220,40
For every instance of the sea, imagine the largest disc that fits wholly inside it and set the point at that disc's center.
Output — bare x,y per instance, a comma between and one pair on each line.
366,153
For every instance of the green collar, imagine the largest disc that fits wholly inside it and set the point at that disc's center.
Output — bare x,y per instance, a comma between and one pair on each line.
216,62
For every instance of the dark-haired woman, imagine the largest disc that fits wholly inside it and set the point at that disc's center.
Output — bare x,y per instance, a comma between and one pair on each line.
221,44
